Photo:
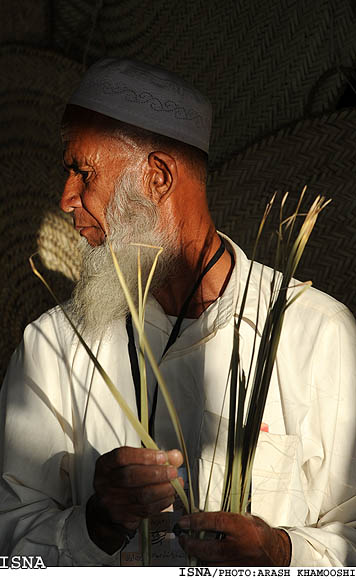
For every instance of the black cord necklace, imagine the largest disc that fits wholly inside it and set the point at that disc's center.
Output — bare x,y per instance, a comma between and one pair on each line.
135,371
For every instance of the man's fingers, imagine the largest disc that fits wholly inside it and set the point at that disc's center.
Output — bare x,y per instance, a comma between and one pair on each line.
247,539
142,475
175,457
213,521
123,456
154,508
138,495
208,550
134,483
151,493
120,512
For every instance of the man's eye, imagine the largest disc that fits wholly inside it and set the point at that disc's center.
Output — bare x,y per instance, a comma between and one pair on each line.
85,175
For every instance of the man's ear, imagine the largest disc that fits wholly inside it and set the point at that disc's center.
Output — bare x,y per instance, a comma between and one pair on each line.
163,176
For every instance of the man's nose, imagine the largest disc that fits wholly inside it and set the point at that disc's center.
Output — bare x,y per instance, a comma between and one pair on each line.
71,196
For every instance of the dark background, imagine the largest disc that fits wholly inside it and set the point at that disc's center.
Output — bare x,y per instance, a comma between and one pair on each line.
280,75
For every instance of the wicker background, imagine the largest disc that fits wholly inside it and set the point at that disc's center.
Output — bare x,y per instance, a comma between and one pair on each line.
279,74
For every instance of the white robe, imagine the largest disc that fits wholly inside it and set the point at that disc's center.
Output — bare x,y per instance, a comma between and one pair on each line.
57,417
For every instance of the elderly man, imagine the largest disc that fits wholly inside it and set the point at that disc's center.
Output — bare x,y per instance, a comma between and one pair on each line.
76,484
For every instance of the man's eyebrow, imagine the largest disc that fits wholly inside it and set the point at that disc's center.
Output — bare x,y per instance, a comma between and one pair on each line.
74,165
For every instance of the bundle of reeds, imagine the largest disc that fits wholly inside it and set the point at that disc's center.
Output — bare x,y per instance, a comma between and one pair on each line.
245,414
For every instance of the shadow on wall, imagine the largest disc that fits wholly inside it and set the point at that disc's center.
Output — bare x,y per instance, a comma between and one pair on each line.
36,84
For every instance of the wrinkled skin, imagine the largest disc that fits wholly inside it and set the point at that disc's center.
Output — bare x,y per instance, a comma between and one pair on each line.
247,540
130,484
94,162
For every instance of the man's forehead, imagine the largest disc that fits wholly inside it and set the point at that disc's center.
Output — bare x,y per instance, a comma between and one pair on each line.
70,133
83,127
87,145
77,141
75,129
78,134
81,134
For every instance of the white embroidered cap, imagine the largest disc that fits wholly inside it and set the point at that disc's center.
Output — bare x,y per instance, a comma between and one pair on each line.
148,97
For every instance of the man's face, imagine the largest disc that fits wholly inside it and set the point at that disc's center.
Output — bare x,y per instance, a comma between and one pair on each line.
94,162
105,192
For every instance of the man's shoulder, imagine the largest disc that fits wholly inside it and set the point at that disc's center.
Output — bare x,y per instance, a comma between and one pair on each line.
310,301
52,320
317,300
58,322
307,302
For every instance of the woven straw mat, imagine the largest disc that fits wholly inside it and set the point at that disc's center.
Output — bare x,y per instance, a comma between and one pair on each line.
262,64
319,152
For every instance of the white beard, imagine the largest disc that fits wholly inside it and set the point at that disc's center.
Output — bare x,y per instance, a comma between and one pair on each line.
98,299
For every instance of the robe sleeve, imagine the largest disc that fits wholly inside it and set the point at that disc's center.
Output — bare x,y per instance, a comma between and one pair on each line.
329,432
37,515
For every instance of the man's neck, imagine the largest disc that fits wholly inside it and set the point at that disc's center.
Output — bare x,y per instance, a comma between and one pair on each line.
195,256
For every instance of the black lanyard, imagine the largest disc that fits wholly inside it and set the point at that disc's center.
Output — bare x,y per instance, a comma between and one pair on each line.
135,370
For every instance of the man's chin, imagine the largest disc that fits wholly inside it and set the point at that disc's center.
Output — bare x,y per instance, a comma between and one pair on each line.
98,300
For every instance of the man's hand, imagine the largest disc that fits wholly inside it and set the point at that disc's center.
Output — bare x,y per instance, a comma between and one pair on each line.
130,484
246,540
